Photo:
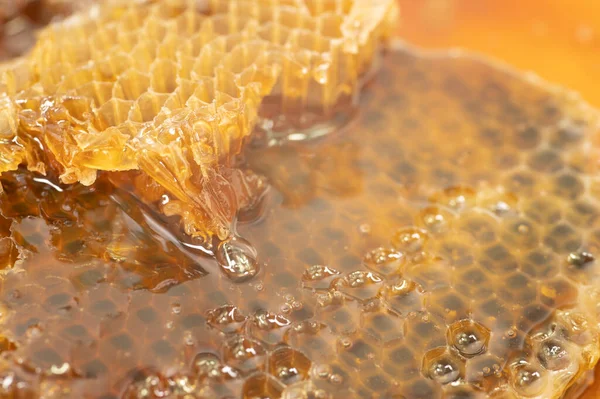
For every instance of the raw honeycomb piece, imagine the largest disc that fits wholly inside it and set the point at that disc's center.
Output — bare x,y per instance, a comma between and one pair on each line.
173,91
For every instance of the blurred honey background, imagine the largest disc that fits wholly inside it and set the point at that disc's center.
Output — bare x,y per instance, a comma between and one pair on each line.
557,39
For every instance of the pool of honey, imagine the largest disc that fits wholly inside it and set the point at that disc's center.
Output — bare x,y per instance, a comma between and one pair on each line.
443,243
524,34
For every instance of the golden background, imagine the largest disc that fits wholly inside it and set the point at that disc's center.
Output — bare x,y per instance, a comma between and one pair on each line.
557,39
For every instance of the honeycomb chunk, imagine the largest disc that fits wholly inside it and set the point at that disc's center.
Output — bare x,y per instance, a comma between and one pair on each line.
173,88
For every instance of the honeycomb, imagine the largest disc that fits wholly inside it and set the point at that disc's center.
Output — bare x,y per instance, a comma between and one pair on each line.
171,90
451,254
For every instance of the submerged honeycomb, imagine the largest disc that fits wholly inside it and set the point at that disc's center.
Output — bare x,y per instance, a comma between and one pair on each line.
452,254
172,88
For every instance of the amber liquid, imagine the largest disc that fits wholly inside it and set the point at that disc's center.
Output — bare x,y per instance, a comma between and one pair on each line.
448,233
524,34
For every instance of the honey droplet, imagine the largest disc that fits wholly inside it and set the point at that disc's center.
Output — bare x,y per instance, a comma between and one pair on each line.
409,240
441,366
318,272
435,219
553,355
360,279
468,337
237,259
289,365
269,321
359,284
227,318
528,380
384,261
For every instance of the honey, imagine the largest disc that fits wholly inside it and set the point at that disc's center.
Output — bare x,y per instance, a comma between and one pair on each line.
442,244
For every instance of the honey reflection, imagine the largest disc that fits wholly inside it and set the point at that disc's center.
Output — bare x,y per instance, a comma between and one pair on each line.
59,225
326,169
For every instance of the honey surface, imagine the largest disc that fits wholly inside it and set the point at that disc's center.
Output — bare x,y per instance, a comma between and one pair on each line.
524,34
442,244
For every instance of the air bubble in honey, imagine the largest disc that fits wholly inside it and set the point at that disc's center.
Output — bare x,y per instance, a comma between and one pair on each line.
402,296
457,198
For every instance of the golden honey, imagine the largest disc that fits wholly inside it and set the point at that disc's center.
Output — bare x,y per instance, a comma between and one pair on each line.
441,244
